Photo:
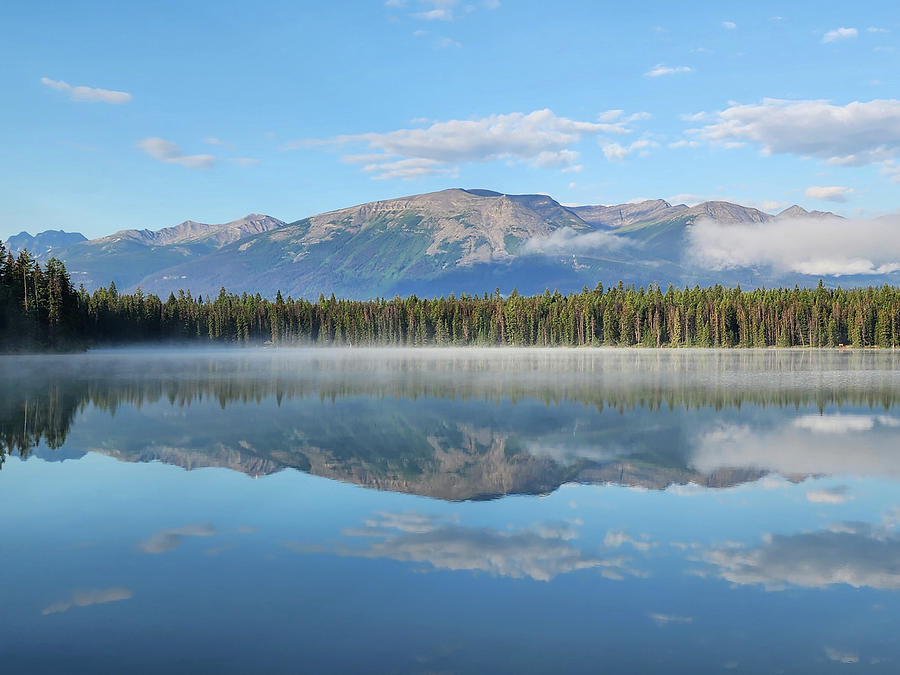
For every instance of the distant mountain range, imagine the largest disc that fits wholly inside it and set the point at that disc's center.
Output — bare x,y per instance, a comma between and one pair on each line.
44,244
431,244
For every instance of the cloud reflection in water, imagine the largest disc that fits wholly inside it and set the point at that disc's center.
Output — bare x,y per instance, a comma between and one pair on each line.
541,552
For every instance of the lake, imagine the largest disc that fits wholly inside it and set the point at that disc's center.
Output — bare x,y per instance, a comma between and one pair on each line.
450,511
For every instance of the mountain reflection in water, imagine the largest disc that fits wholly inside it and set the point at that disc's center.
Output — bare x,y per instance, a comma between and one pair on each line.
467,424
661,511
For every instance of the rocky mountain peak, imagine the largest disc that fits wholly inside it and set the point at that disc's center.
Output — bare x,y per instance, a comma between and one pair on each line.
726,212
799,212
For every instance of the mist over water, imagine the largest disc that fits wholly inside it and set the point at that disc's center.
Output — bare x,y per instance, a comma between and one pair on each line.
599,500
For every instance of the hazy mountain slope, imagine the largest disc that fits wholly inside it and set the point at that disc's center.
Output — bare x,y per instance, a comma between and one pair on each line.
192,232
43,244
128,256
663,234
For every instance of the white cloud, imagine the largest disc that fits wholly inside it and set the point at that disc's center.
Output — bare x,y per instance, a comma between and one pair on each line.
659,70
876,29
832,495
168,540
445,42
683,143
891,170
842,424
793,449
841,655
730,25
408,169
854,134
567,240
840,34
540,138
405,521
88,94
170,153
815,246
86,598
617,151
856,554
829,193
211,140
514,135
665,619
617,538
556,158
437,14
539,553
439,10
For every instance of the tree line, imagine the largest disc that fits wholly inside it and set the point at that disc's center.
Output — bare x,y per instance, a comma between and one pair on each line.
42,310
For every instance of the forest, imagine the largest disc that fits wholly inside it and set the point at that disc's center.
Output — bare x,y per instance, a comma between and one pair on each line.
41,310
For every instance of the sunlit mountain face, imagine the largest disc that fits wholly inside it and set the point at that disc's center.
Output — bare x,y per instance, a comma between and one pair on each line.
599,501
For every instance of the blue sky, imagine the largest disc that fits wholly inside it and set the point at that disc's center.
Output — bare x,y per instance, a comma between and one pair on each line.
146,114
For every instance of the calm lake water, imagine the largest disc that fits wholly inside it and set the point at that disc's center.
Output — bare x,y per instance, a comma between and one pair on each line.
450,511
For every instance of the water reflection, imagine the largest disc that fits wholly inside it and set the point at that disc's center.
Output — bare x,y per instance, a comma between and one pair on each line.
471,424
662,511
541,552
854,553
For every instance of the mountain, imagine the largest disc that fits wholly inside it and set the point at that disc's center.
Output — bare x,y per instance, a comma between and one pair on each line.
661,233
193,233
799,212
627,214
127,256
43,244
451,241
478,471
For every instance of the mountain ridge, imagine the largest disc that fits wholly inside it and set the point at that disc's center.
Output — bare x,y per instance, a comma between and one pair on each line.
453,240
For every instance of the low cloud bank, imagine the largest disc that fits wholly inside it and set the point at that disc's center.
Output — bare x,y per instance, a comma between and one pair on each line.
825,246
568,240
